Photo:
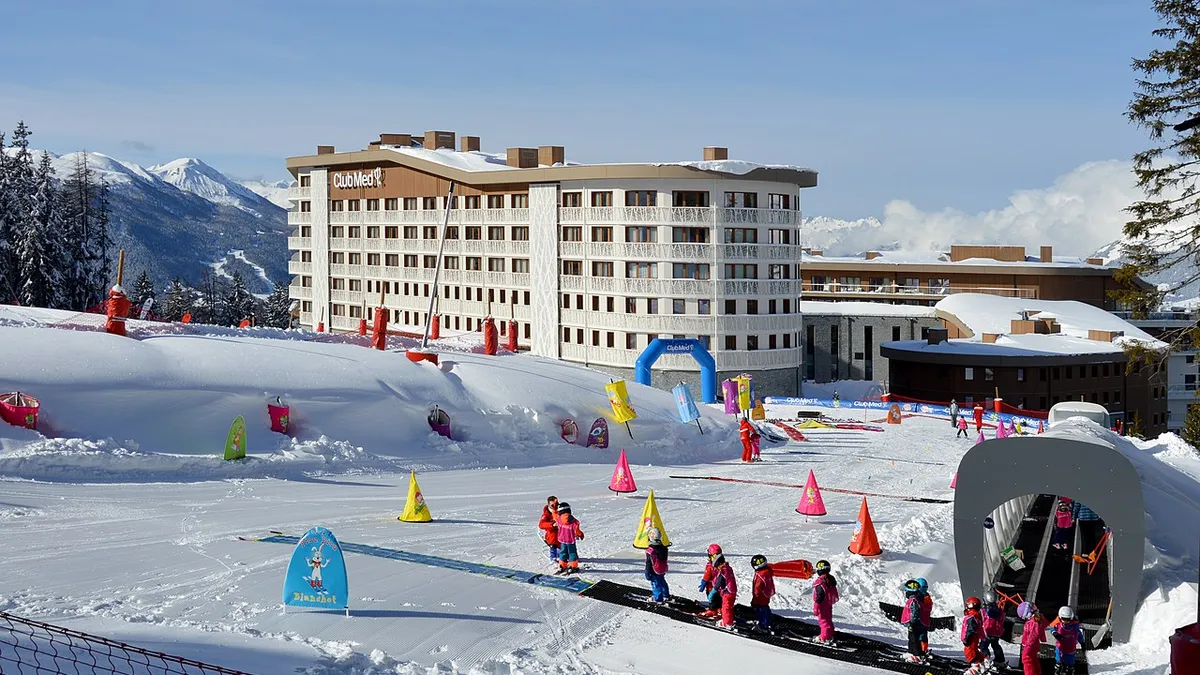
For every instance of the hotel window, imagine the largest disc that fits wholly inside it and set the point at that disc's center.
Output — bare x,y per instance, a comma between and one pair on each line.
989,374
641,270
337,284
429,232
678,306
450,262
731,307
579,335
787,340
391,232
566,301
780,272
731,342
652,305
850,283
520,201
741,271
1020,374
355,259
704,306
602,199
474,264
495,265
337,232
572,268
474,232
741,235
602,269
410,260
787,306
353,204
495,233
689,198
741,200
572,199
968,373
779,236
355,312
427,203
521,265
392,260
391,204
573,233
372,204
610,339
609,304
771,341
305,207
429,262
640,197
689,271
305,256
410,204
337,258
752,307
495,201
338,310
354,232
452,201
641,235
771,307
520,233
603,234
410,231
595,303
373,259
631,305
372,232
305,180
777,201
336,205
471,202
689,235
305,282
566,335
631,341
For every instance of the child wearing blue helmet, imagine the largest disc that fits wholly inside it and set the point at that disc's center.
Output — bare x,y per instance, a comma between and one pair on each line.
917,616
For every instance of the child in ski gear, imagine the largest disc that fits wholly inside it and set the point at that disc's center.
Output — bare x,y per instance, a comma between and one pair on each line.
837,400
549,526
656,566
762,590
709,571
1032,636
748,435
972,634
962,428
977,411
755,446
568,533
1068,635
993,629
917,615
721,586
1064,520
825,596
954,414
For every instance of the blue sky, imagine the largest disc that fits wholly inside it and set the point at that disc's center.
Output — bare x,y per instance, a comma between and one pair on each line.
944,103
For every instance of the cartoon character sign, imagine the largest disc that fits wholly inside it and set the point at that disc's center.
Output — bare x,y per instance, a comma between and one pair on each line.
316,564
598,436
316,574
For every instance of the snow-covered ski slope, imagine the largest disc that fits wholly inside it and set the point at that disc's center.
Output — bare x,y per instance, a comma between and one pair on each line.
124,523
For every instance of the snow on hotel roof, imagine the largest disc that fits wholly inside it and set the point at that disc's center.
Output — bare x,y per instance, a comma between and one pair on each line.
941,258
486,161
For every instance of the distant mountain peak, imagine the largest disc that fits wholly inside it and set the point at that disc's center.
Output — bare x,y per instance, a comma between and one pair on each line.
194,176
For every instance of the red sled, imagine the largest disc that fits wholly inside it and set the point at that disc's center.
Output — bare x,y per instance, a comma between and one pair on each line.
19,410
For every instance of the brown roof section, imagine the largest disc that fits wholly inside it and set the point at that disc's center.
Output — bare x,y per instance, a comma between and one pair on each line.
547,174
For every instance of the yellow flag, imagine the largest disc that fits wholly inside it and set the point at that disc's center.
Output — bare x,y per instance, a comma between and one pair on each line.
650,518
415,510
759,412
618,397
743,384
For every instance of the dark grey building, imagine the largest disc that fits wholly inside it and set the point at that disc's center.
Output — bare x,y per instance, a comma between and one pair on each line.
840,340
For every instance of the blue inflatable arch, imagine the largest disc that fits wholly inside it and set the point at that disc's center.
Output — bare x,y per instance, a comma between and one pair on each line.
708,366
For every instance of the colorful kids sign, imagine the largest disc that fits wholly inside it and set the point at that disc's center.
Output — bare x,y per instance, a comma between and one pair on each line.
415,509
686,404
598,436
235,442
743,392
650,518
618,397
316,575
730,389
622,478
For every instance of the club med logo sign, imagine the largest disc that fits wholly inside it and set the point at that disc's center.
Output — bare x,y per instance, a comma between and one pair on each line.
679,348
358,179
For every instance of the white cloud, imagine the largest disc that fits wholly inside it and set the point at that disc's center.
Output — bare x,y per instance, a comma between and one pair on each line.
1081,212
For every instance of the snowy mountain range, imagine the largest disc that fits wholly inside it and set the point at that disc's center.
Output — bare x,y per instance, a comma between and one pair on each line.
186,219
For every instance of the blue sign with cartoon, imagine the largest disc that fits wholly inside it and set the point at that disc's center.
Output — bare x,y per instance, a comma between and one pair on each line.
316,576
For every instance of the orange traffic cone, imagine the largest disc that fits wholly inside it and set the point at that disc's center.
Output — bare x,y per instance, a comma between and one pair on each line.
864,541
1041,427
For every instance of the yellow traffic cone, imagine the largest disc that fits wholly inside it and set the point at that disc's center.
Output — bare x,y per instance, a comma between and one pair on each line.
415,510
650,518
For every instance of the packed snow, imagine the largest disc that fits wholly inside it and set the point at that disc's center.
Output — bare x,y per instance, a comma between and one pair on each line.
125,471
737,167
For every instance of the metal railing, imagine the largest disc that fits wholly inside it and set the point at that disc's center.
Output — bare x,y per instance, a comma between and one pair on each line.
869,289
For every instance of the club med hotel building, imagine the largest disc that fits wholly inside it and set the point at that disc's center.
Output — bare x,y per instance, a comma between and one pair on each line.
592,261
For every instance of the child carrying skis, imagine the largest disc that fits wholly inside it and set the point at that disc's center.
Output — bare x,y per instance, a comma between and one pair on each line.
1032,636
549,526
993,630
656,566
962,428
568,533
762,590
1069,635
720,585
825,596
972,635
917,615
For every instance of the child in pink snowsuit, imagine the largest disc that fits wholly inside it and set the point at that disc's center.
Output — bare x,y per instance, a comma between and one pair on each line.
825,596
962,428
1032,636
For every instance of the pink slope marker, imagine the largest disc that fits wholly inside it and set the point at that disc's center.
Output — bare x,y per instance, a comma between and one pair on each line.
622,478
811,503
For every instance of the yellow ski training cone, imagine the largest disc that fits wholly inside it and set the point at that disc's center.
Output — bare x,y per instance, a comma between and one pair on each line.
650,518
415,510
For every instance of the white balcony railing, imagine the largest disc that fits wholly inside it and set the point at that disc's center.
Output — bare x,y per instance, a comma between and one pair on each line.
297,193
299,217
762,359
299,243
297,267
681,324
575,215
432,217
887,288
300,292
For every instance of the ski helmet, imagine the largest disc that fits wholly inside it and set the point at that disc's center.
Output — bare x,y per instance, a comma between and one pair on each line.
1026,610
713,550
922,585
990,597
564,507
653,535
758,561
1066,613
972,603
911,586
822,567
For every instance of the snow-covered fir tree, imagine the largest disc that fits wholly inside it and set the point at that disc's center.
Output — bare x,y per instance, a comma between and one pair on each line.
40,247
10,226
143,290
179,301
279,305
238,303
84,205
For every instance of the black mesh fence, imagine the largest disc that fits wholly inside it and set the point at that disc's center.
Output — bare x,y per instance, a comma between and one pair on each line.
30,647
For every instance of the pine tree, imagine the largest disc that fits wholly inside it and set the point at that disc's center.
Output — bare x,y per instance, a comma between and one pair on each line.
10,226
1135,428
179,301
238,304
279,307
1191,426
143,290
85,208
39,251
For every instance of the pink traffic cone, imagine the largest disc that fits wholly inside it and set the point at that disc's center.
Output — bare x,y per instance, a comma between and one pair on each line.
1041,427
811,503
980,439
622,478
954,481
1001,432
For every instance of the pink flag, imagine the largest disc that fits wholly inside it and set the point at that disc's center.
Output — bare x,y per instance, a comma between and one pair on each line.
811,503
954,481
622,478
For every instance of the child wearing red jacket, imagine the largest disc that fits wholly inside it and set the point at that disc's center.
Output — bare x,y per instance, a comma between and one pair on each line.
549,526
1032,636
972,635
721,586
763,589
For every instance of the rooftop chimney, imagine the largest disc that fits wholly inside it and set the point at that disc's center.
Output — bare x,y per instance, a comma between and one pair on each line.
990,338
816,251
1095,261
1104,335
549,155
436,140
325,150
522,158
715,153
402,140
1047,254
937,336
468,144
871,255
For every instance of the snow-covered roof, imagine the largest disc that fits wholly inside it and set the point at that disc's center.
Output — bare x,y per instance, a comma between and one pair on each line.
739,167
864,309
941,258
